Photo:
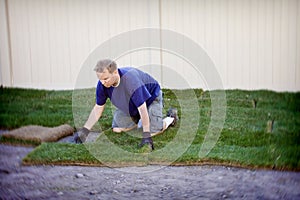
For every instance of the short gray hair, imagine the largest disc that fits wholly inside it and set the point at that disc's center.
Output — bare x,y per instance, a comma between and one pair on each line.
108,64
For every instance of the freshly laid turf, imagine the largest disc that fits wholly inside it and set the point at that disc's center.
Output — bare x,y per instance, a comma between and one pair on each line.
20,107
261,129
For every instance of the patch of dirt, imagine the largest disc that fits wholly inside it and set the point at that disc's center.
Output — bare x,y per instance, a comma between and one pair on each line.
151,182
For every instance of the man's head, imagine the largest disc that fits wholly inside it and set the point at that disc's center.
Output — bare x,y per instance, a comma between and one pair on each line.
107,72
108,64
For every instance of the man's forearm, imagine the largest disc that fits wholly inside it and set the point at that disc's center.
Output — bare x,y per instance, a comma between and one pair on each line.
94,116
144,117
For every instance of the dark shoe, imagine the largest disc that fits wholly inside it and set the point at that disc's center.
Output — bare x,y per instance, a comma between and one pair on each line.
81,135
172,112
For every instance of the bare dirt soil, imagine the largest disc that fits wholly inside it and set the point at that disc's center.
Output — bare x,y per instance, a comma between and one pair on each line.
151,182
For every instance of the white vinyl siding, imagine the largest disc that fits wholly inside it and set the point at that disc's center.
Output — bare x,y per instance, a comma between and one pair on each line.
254,44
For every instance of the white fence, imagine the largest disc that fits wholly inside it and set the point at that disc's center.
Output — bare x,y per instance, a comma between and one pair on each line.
255,44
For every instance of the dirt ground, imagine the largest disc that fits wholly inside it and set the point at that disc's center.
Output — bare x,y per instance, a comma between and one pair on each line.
197,182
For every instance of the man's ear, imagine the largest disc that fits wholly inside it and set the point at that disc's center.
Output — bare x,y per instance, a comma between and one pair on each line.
115,72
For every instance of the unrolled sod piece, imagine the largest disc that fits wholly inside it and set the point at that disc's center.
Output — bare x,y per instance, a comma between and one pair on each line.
40,133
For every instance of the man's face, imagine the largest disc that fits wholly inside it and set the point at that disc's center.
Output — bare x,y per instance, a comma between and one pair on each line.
108,79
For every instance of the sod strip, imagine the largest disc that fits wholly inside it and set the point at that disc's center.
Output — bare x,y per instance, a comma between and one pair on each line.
77,154
35,135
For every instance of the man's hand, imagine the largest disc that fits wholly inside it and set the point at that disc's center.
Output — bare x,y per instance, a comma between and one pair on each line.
81,135
147,140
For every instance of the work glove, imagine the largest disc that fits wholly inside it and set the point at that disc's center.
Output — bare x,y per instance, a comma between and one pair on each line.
147,140
81,135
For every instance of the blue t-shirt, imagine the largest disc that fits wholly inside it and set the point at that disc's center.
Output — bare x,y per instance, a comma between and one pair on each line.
135,88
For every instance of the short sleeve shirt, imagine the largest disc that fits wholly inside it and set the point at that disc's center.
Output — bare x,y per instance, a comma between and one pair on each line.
135,88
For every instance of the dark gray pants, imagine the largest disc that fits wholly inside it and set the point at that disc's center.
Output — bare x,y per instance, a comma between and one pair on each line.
121,120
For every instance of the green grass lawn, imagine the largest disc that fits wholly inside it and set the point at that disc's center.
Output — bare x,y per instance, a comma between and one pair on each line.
244,140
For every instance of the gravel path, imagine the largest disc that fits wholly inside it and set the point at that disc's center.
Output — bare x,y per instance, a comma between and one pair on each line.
198,182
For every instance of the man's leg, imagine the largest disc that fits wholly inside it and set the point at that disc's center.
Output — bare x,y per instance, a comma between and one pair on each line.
157,123
155,114
122,122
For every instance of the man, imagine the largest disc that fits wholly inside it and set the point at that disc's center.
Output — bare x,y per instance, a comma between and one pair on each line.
137,97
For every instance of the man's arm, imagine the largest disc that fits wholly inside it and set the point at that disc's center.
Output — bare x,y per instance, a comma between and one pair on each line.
95,114
146,140
144,117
